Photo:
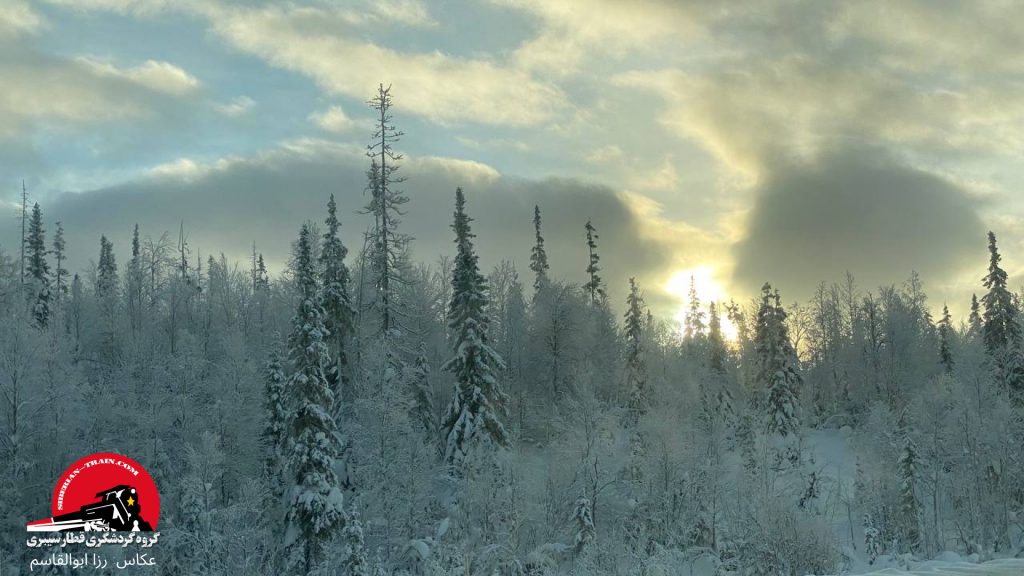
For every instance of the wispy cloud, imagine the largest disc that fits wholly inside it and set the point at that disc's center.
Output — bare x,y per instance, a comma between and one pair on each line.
333,120
17,17
84,90
237,107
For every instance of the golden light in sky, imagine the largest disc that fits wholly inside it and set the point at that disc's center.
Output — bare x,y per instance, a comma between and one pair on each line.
708,290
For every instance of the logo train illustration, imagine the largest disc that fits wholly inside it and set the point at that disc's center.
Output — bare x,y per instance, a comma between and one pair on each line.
102,493
117,509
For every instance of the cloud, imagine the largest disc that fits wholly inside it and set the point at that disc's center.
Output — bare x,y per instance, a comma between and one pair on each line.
605,154
572,31
799,79
162,77
435,85
228,203
135,7
237,107
977,38
664,178
59,92
17,18
856,210
493,143
307,39
406,12
332,120
182,169
771,93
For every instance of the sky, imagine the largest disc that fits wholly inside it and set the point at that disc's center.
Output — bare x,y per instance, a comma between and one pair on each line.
786,141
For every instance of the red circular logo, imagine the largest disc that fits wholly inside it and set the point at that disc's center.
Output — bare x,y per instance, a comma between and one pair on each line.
104,491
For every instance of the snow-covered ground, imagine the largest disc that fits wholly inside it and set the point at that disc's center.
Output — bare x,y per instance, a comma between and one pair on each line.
1004,567
833,453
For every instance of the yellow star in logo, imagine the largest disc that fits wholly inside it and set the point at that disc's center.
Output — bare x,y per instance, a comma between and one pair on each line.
131,501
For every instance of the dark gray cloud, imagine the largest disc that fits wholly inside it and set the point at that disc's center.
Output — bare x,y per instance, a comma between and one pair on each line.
861,211
266,198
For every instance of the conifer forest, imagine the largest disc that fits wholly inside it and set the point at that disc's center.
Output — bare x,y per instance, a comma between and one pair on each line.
371,404
361,413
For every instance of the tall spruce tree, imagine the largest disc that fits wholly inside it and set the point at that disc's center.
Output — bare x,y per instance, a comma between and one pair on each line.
106,271
262,278
421,405
776,365
974,319
387,246
910,505
37,268
538,256
945,334
314,503
275,431
107,295
695,328
583,519
472,418
24,223
135,282
354,562
636,367
1001,330
75,309
718,353
60,274
718,360
594,286
339,314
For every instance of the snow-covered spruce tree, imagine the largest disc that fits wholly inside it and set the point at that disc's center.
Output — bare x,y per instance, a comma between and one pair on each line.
701,534
636,368
421,395
106,271
133,281
718,361
872,538
261,280
37,269
974,319
594,286
583,520
1001,331
538,256
354,562
261,292
277,420
338,311
776,363
76,310
314,500
747,441
106,292
472,417
945,334
60,274
387,245
695,329
199,501
910,506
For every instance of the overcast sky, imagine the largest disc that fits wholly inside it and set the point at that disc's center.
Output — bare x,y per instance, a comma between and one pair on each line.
785,141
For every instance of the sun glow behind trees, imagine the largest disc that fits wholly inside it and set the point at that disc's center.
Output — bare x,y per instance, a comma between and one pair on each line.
708,290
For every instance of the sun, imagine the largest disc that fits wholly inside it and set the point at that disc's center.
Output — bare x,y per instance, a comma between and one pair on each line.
708,290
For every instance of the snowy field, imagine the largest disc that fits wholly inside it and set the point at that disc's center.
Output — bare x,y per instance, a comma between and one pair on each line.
1005,567
834,450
